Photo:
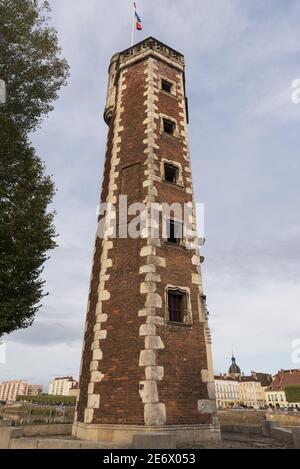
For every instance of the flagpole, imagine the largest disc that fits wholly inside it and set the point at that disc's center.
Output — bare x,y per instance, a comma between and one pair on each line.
133,26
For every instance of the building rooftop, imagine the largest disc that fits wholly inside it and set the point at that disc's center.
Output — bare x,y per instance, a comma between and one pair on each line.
151,45
225,378
64,377
285,378
265,379
234,369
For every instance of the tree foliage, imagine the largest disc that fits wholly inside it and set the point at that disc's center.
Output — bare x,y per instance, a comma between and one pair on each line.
31,66
48,399
26,230
292,392
30,61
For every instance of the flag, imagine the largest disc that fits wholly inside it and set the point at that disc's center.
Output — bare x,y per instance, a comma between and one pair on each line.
138,18
138,23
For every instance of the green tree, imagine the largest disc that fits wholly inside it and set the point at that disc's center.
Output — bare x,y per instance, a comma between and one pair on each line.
292,392
26,230
30,62
33,71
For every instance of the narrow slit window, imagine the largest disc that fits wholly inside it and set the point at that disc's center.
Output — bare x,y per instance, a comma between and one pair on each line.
166,86
177,304
169,127
174,232
171,173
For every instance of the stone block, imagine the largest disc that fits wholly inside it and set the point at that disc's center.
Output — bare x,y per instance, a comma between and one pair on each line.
100,335
147,312
152,277
57,443
24,443
147,287
93,401
154,300
147,358
97,354
196,260
94,365
196,279
104,295
147,251
96,376
145,269
157,320
207,406
30,431
91,388
207,376
88,415
7,434
147,329
211,390
148,391
155,414
101,317
151,440
154,372
154,342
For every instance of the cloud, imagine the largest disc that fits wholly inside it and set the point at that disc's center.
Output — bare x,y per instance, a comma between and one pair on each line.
251,262
45,333
259,325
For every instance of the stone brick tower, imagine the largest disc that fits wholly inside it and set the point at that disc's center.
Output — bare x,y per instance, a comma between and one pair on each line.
146,360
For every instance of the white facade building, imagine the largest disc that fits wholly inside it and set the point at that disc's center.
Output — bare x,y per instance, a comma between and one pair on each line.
227,392
35,389
251,393
236,390
61,386
9,390
276,399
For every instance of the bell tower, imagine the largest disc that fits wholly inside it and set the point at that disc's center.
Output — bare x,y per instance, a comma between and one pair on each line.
146,360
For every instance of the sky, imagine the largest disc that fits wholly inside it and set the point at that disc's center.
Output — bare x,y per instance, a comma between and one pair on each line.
241,59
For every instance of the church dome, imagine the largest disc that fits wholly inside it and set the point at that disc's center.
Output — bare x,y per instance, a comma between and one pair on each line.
234,369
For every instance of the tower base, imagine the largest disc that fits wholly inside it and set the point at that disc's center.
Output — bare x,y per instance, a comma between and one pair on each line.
123,434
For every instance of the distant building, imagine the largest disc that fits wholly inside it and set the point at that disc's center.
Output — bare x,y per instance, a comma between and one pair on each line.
227,392
251,392
62,386
9,390
275,394
34,389
265,379
234,370
73,392
235,389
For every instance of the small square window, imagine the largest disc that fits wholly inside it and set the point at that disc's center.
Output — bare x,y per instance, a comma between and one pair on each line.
171,173
166,86
177,305
169,127
174,231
